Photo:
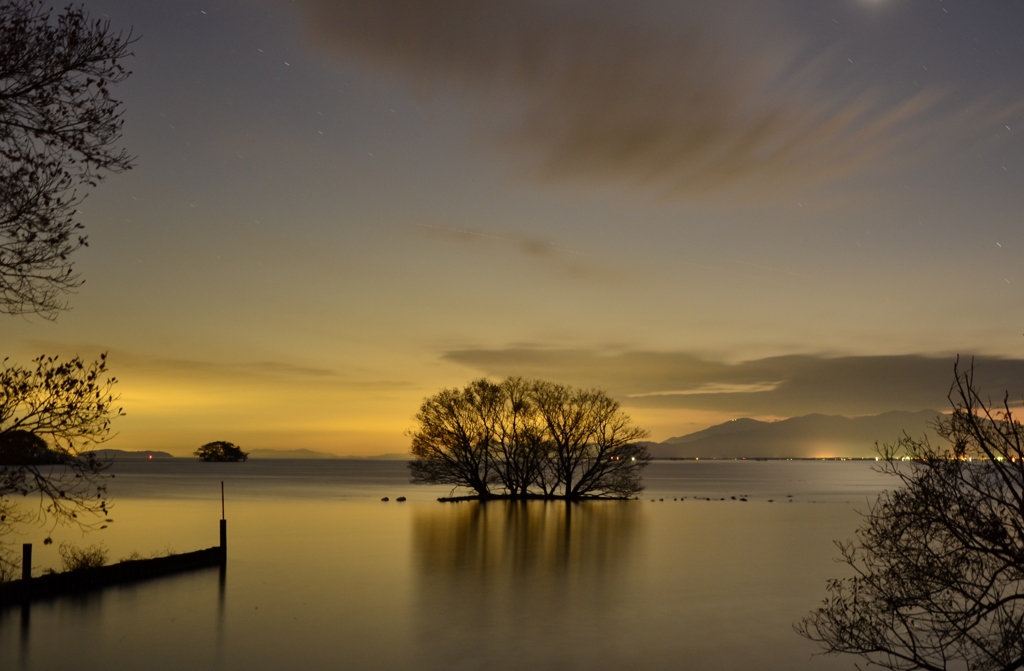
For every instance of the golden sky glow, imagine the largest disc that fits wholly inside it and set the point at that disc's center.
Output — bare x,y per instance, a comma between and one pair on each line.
709,209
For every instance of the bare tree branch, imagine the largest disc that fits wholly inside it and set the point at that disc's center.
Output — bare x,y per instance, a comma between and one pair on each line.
524,438
50,417
938,564
58,129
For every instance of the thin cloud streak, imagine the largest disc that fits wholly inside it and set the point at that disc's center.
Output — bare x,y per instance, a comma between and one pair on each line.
258,372
782,386
714,388
135,365
590,93
557,259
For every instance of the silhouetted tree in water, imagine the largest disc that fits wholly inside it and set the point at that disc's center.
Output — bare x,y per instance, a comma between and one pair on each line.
521,438
594,450
938,565
452,445
221,450
58,129
520,450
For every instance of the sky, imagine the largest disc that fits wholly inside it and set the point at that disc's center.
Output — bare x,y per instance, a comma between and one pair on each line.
710,210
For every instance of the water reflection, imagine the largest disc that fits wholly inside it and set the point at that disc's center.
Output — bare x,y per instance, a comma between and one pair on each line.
26,621
222,582
499,581
79,605
92,613
319,582
525,537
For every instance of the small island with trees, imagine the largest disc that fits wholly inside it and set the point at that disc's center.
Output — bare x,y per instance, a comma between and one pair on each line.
528,439
221,450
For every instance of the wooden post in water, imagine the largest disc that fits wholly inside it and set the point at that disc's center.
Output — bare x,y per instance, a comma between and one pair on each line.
223,527
26,561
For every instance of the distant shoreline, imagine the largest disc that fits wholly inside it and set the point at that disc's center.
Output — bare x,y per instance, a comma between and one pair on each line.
144,455
765,459
256,454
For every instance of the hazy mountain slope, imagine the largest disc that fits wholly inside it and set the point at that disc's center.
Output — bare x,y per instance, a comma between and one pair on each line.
806,436
734,426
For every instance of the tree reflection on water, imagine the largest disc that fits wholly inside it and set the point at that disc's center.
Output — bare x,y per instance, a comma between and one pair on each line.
525,537
514,580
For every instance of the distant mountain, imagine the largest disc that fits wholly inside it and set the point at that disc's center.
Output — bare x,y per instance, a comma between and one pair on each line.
128,455
799,437
731,427
264,453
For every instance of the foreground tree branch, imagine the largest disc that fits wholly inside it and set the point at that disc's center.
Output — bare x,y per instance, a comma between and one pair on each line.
59,127
51,416
938,564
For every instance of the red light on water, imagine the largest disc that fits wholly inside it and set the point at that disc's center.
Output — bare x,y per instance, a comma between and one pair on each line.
151,457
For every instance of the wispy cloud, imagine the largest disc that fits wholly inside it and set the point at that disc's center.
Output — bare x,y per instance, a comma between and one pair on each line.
558,259
713,388
589,91
127,364
775,386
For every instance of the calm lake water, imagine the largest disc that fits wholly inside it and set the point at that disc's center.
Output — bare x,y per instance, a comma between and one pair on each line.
323,575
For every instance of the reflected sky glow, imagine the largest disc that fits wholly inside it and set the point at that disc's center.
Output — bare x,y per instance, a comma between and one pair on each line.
328,575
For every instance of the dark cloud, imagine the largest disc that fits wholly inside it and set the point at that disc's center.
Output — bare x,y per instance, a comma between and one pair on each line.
598,91
776,386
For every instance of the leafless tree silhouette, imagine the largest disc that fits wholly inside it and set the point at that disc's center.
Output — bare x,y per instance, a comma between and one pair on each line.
50,415
528,438
58,129
938,565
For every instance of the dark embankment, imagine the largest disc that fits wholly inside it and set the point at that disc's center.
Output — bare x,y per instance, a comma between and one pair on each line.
137,570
